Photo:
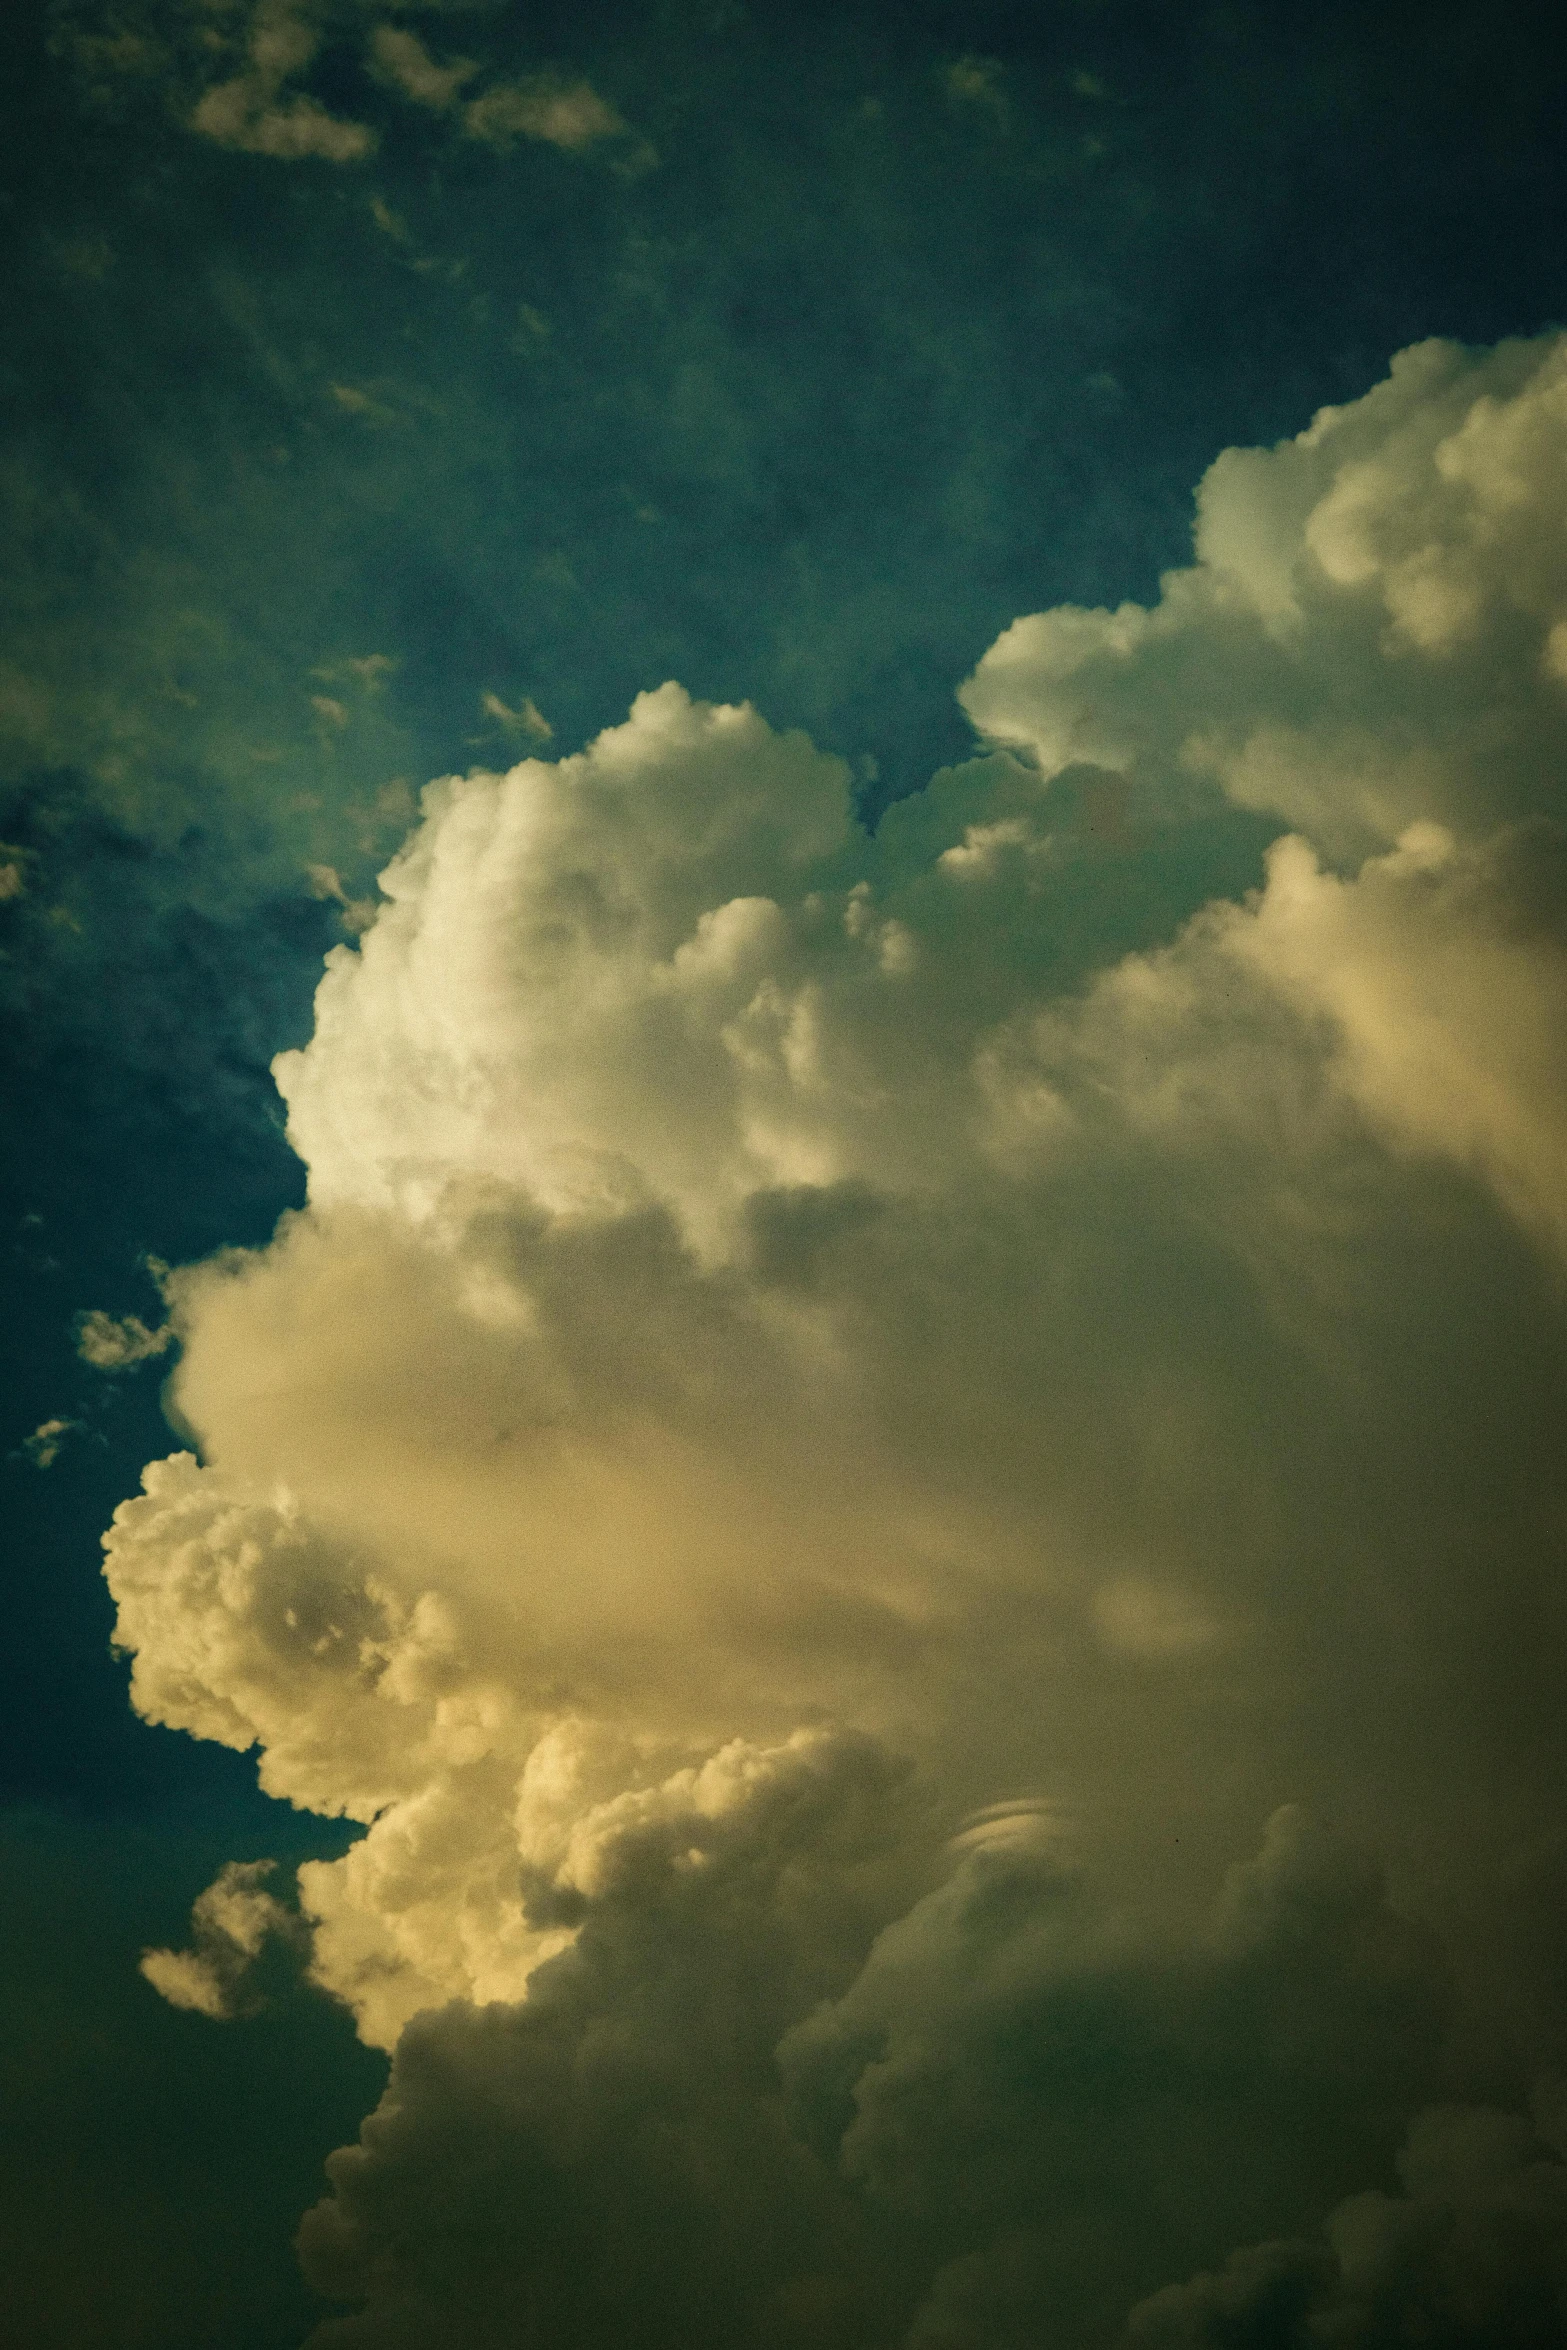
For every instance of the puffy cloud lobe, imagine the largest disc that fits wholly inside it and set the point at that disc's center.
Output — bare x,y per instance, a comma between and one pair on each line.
757,1277
1041,2103
608,2161
1371,635
563,950
1428,996
1474,2250
1015,2064
249,1627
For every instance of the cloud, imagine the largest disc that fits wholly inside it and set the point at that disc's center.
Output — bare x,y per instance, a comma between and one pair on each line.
112,1343
630,2171
527,719
1366,638
1427,995
44,1446
1048,2096
793,1345
565,113
559,109
254,110
400,57
979,83
231,1924
1016,2098
326,882
1473,2249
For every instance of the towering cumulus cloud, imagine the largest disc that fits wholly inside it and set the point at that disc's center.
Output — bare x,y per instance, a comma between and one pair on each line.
931,1547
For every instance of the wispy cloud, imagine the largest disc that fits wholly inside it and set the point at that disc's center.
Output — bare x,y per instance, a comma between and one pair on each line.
560,110
111,1342
44,1446
255,110
401,58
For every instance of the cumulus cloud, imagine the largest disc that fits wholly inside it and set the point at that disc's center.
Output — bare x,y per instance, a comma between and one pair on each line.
631,2176
1474,2249
1427,994
1371,636
1017,2099
791,1347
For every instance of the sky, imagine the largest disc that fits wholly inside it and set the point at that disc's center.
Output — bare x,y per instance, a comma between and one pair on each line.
783,915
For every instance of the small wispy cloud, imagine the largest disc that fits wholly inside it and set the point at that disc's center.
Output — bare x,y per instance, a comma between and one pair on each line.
401,59
326,884
526,719
978,82
561,110
44,1446
355,402
255,111
111,1342
565,113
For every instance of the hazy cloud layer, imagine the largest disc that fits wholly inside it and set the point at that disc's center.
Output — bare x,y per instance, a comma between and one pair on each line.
777,1361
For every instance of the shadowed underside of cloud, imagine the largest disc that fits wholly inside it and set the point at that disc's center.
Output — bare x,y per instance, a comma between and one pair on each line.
1473,2250
763,1372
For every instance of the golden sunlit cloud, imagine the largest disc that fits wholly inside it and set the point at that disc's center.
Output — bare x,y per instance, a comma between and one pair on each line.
767,1372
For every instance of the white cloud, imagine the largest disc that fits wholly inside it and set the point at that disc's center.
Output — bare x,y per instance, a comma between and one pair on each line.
526,719
1427,995
327,883
618,950
1364,641
755,1319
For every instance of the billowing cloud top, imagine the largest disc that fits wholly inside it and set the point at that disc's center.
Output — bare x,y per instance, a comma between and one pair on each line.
787,1350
